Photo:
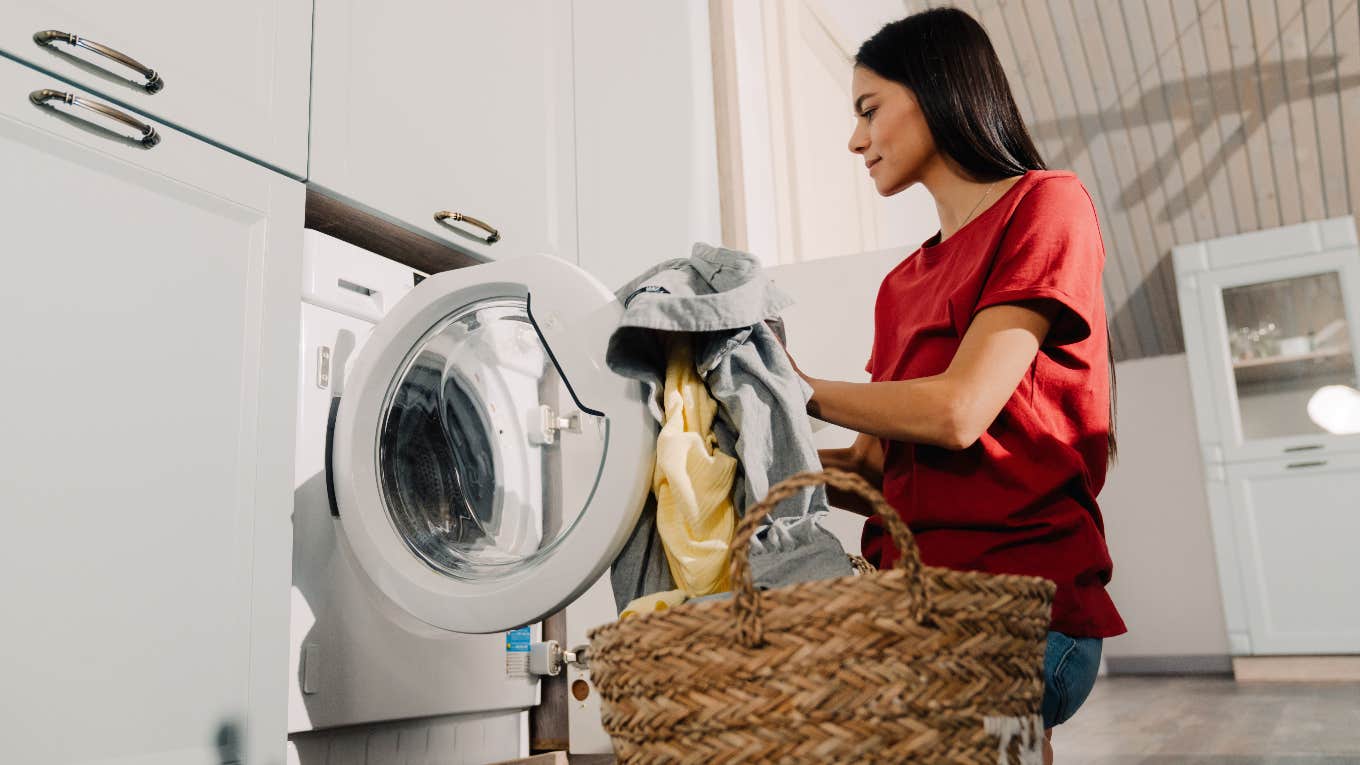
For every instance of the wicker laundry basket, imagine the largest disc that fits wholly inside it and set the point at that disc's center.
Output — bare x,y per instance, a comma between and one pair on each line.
916,664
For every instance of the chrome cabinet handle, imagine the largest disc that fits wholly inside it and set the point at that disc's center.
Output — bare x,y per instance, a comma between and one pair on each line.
492,235
1309,464
153,81
149,136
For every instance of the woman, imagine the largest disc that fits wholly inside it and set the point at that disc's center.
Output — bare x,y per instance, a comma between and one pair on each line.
988,422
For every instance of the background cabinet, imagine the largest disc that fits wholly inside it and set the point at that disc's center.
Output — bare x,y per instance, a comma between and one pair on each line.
1295,523
234,73
149,320
423,106
1270,321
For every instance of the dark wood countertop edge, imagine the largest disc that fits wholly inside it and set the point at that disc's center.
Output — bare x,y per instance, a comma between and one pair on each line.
347,223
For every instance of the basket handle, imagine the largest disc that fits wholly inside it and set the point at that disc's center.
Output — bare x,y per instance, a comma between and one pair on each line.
746,600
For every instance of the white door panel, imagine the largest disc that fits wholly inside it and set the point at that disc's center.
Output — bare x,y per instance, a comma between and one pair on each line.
235,73
149,313
1296,522
422,106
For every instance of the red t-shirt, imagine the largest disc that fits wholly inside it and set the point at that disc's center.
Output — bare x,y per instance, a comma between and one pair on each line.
1022,500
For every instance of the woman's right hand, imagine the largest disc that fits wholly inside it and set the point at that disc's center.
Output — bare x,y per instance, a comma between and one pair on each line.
864,458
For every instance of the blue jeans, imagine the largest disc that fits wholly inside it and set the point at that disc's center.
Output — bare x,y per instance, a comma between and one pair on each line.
1070,667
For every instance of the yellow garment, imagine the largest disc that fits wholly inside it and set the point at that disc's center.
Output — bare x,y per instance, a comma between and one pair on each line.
657,601
693,480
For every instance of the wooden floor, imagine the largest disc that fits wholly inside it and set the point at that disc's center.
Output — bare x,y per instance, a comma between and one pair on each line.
1212,721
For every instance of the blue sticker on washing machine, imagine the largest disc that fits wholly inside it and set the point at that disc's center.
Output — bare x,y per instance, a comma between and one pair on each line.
517,641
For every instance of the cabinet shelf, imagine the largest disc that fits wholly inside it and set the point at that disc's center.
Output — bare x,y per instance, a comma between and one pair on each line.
1321,354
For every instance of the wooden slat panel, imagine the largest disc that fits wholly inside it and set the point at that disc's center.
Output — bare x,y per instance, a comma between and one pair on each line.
1110,68
989,14
1139,82
1143,51
1032,73
1298,91
1326,106
1202,129
1087,153
1232,135
1170,69
1247,81
1270,62
1346,38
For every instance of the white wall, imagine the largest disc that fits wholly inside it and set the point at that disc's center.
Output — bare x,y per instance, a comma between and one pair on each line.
1157,520
826,211
647,167
830,330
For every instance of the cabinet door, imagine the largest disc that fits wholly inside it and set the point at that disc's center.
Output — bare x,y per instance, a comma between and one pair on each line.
234,73
457,106
1295,524
1278,342
149,320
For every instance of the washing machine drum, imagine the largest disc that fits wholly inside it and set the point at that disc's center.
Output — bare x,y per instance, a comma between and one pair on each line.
486,464
438,477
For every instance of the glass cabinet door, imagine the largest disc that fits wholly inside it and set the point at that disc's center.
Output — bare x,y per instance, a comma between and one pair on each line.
1279,351
1289,341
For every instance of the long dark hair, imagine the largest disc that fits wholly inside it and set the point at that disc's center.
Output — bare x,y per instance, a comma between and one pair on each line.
944,57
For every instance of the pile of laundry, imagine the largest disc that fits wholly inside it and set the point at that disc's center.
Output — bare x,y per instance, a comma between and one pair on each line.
704,338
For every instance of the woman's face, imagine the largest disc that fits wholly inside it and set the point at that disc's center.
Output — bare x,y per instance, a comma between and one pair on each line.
890,131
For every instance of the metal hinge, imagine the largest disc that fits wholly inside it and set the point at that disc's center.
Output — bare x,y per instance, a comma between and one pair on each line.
544,425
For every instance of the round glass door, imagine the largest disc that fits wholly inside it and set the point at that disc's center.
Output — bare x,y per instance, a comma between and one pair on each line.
468,473
487,465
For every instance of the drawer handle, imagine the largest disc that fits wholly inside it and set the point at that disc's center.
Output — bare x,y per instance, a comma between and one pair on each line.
1310,463
1305,448
153,81
149,136
492,235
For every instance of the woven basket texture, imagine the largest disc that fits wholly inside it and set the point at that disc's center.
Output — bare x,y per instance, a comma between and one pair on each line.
915,664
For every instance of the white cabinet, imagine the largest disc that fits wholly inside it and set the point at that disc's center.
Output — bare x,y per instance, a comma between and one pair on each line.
421,107
1294,524
1270,322
234,73
646,154
1269,319
149,324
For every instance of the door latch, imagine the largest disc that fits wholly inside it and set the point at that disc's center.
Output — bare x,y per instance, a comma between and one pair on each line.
548,658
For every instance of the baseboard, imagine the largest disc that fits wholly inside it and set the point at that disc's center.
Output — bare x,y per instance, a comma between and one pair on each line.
1169,665
1297,669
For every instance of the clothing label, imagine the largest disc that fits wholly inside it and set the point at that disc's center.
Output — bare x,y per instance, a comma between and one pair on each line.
651,289
1026,732
517,652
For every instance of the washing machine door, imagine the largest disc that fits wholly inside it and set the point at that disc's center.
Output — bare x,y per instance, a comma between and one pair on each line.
486,465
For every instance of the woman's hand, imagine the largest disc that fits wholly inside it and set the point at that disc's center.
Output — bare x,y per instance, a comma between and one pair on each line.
863,458
778,329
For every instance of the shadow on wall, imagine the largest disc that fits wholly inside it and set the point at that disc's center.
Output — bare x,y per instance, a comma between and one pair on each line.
1268,89
1134,317
1301,79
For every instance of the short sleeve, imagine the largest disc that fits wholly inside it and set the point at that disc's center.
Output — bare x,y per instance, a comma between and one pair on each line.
1051,251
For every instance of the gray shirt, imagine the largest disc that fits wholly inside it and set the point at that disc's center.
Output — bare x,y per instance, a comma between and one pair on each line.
723,299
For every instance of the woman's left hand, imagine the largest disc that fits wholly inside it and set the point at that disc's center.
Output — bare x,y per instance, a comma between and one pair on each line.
778,335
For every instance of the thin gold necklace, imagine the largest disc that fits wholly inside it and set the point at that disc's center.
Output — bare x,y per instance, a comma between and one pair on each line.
976,206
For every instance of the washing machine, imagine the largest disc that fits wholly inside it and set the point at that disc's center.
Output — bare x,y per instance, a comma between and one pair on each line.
466,465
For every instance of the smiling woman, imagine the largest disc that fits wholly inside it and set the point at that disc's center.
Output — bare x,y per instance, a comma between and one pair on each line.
989,419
